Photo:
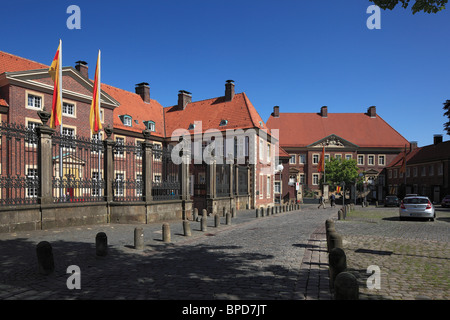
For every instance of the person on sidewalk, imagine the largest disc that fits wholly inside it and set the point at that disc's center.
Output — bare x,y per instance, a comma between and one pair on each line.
333,200
322,202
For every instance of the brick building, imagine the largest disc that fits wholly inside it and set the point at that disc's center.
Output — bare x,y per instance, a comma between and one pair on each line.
26,89
426,172
364,137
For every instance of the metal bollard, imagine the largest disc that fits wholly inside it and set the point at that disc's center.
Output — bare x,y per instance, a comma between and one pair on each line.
139,238
101,244
44,252
186,228
257,213
166,232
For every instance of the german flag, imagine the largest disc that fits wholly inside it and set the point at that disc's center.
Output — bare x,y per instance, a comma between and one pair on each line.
55,72
94,117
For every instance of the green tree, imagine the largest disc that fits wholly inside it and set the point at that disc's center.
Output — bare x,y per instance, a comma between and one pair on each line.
338,170
447,114
428,6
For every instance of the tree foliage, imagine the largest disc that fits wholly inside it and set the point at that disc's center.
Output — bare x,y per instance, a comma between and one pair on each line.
447,114
428,6
338,170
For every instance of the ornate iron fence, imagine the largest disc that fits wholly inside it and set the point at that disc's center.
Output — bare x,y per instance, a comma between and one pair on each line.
166,175
128,183
77,168
222,180
19,180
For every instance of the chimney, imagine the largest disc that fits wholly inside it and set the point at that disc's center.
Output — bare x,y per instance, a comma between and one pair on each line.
437,138
324,112
229,90
276,112
372,112
184,97
412,145
143,90
82,68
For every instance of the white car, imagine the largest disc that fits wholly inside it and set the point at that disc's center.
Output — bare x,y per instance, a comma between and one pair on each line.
417,207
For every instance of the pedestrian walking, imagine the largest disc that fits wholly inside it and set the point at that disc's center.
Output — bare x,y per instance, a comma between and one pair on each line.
333,200
322,202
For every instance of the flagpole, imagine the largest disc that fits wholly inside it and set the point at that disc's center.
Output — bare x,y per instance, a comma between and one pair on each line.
98,114
61,192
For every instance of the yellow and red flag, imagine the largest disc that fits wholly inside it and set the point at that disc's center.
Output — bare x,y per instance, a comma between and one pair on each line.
55,72
338,189
321,165
94,117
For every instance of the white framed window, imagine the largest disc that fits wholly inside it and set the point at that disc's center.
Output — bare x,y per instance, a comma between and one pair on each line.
32,139
381,160
268,187
277,187
139,185
302,159
371,159
268,152
315,158
261,149
302,178
292,159
348,157
327,157
315,179
360,159
120,142
69,132
35,101
68,109
261,189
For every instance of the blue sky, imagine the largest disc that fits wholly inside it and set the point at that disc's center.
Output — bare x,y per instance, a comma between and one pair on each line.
297,54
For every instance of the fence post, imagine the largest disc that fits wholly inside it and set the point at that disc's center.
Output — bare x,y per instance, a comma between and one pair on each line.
45,165
108,165
44,252
147,159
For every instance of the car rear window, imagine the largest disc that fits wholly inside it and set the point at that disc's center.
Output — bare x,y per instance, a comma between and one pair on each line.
415,201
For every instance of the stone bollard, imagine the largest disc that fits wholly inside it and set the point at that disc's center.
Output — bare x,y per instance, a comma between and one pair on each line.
272,210
346,287
337,262
228,219
101,244
139,238
233,212
203,223
216,220
340,214
334,240
166,232
204,213
257,213
195,217
329,227
44,252
186,228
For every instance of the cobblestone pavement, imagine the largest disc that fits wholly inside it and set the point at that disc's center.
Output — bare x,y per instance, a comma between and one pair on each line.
413,256
273,257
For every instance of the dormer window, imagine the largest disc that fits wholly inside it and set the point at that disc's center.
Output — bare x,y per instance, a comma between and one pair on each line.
150,125
191,126
126,120
223,123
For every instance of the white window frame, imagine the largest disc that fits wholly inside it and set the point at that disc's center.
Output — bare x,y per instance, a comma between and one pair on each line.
381,160
35,95
369,157
314,177
64,109
292,159
360,159
315,158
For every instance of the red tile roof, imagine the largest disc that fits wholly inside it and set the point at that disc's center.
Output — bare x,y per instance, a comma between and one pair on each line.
3,103
239,112
132,104
303,129
11,63
432,152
